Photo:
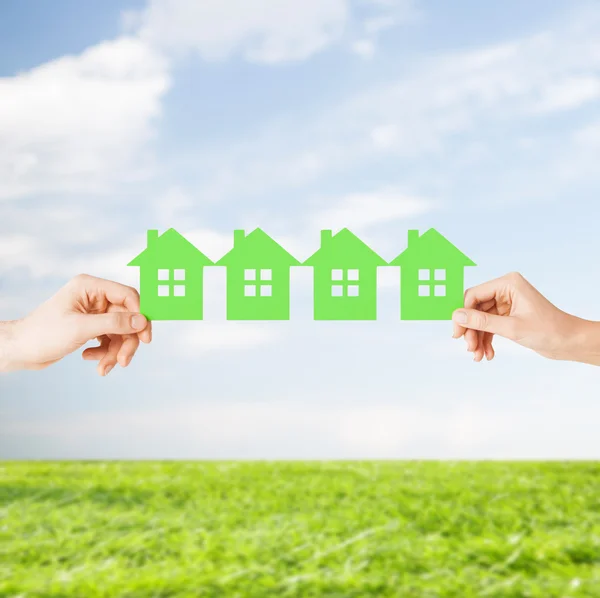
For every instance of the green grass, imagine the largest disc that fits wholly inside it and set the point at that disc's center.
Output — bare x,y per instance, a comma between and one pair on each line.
406,529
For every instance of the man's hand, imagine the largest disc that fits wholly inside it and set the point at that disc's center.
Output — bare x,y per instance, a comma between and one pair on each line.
512,308
86,308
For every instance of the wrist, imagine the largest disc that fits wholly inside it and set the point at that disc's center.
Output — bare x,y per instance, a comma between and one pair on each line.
584,341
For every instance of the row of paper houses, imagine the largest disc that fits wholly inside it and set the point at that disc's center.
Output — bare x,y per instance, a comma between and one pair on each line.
258,277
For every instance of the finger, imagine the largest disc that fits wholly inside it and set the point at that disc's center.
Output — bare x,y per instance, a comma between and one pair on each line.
130,344
488,348
474,319
116,293
484,292
108,362
486,305
471,340
479,351
459,330
96,353
112,322
146,335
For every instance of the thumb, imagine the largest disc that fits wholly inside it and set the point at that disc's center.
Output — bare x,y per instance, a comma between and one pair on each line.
93,325
480,320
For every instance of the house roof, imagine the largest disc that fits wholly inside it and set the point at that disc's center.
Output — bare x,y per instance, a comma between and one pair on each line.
431,245
344,248
254,247
170,246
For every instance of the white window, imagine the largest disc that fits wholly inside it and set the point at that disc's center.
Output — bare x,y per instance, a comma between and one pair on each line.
168,276
424,290
250,290
440,274
440,290
353,290
265,274
352,274
249,274
424,274
337,290
265,290
337,275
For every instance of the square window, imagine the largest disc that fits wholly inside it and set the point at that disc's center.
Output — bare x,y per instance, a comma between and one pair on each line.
179,290
249,274
352,274
440,290
163,290
337,290
265,274
250,290
353,290
424,274
265,290
337,275
163,275
424,290
179,274
440,274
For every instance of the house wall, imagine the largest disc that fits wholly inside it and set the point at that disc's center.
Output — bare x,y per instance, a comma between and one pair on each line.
413,307
363,307
154,307
276,307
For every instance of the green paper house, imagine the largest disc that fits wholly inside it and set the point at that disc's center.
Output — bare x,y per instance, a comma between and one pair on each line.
345,278
431,277
258,277
171,277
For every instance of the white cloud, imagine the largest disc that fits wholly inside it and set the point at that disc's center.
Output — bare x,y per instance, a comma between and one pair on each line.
362,210
79,122
568,93
422,113
588,137
364,48
280,429
230,335
266,31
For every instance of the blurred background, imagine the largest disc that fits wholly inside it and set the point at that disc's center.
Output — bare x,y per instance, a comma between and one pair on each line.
479,119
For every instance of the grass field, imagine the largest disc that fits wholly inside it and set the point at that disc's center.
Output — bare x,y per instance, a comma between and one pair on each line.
406,529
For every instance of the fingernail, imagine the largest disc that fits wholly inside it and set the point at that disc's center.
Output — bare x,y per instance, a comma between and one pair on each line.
107,370
460,317
138,322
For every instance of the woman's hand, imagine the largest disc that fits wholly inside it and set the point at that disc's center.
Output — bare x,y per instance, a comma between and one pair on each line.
512,308
86,308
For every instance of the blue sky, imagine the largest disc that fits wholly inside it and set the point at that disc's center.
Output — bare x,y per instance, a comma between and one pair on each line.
479,119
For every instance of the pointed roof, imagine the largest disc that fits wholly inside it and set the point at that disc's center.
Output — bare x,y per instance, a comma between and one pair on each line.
169,244
256,246
344,248
431,245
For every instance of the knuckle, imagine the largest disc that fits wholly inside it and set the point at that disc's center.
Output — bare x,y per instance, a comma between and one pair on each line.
515,277
480,320
120,320
78,280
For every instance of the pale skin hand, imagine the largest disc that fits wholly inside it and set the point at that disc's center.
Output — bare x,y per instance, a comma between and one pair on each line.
512,308
86,308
